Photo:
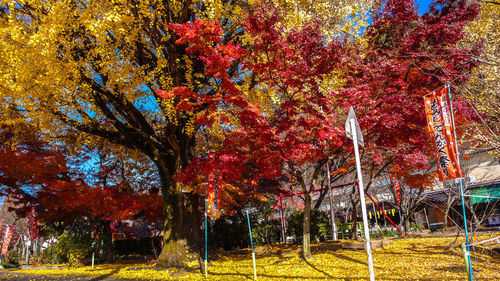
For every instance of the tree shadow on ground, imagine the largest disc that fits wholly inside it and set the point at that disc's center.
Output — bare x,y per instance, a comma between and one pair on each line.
456,268
340,256
105,276
247,276
317,269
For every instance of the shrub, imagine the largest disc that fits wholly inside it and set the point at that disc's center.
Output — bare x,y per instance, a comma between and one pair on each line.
69,249
11,259
320,225
229,233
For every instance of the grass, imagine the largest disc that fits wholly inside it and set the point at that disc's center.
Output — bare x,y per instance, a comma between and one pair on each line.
405,259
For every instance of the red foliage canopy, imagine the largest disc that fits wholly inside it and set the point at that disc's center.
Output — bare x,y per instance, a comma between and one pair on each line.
35,174
406,55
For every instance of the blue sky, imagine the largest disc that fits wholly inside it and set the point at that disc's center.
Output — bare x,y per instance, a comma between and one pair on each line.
423,5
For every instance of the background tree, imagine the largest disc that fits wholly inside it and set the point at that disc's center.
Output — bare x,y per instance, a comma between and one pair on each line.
37,174
483,88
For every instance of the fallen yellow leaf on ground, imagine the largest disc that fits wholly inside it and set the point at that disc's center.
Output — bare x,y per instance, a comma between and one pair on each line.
405,259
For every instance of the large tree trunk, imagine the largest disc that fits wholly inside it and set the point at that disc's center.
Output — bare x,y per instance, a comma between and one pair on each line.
306,227
181,240
108,243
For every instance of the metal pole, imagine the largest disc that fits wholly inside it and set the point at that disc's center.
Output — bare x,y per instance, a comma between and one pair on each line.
28,252
471,278
332,211
374,213
282,221
206,232
469,267
52,249
362,200
383,212
253,252
92,260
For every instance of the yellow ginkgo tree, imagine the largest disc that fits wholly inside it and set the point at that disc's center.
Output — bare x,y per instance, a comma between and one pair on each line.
484,86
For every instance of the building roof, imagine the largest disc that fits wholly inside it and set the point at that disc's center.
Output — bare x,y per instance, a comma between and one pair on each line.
435,196
484,184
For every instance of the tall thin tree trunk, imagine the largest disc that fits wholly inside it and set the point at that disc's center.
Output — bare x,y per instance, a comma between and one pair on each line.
306,227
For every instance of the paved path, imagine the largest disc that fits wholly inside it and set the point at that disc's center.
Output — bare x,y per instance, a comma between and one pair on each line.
15,276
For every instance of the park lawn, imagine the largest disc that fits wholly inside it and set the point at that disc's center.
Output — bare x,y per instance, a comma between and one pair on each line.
404,259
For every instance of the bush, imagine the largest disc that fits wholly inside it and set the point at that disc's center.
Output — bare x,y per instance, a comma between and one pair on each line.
71,250
229,233
266,231
320,225
384,233
415,226
11,259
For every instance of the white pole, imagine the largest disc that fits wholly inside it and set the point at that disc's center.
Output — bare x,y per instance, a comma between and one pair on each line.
282,221
253,251
471,277
362,201
332,211
27,252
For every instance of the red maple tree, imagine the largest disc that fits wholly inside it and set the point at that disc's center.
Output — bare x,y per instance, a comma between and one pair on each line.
406,55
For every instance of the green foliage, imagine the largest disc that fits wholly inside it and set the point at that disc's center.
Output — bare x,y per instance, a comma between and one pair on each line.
266,231
384,233
229,232
70,249
11,259
320,225
415,226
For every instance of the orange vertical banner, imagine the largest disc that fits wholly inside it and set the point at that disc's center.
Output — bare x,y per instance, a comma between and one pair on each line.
9,231
397,188
213,195
438,113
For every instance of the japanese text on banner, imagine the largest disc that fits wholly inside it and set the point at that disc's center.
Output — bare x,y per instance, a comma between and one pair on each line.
437,111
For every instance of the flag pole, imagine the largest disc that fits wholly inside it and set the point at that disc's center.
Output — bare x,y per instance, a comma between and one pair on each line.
253,252
467,248
282,220
332,211
362,200
206,231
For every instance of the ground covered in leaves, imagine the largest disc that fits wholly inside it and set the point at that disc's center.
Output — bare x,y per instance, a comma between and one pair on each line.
404,259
